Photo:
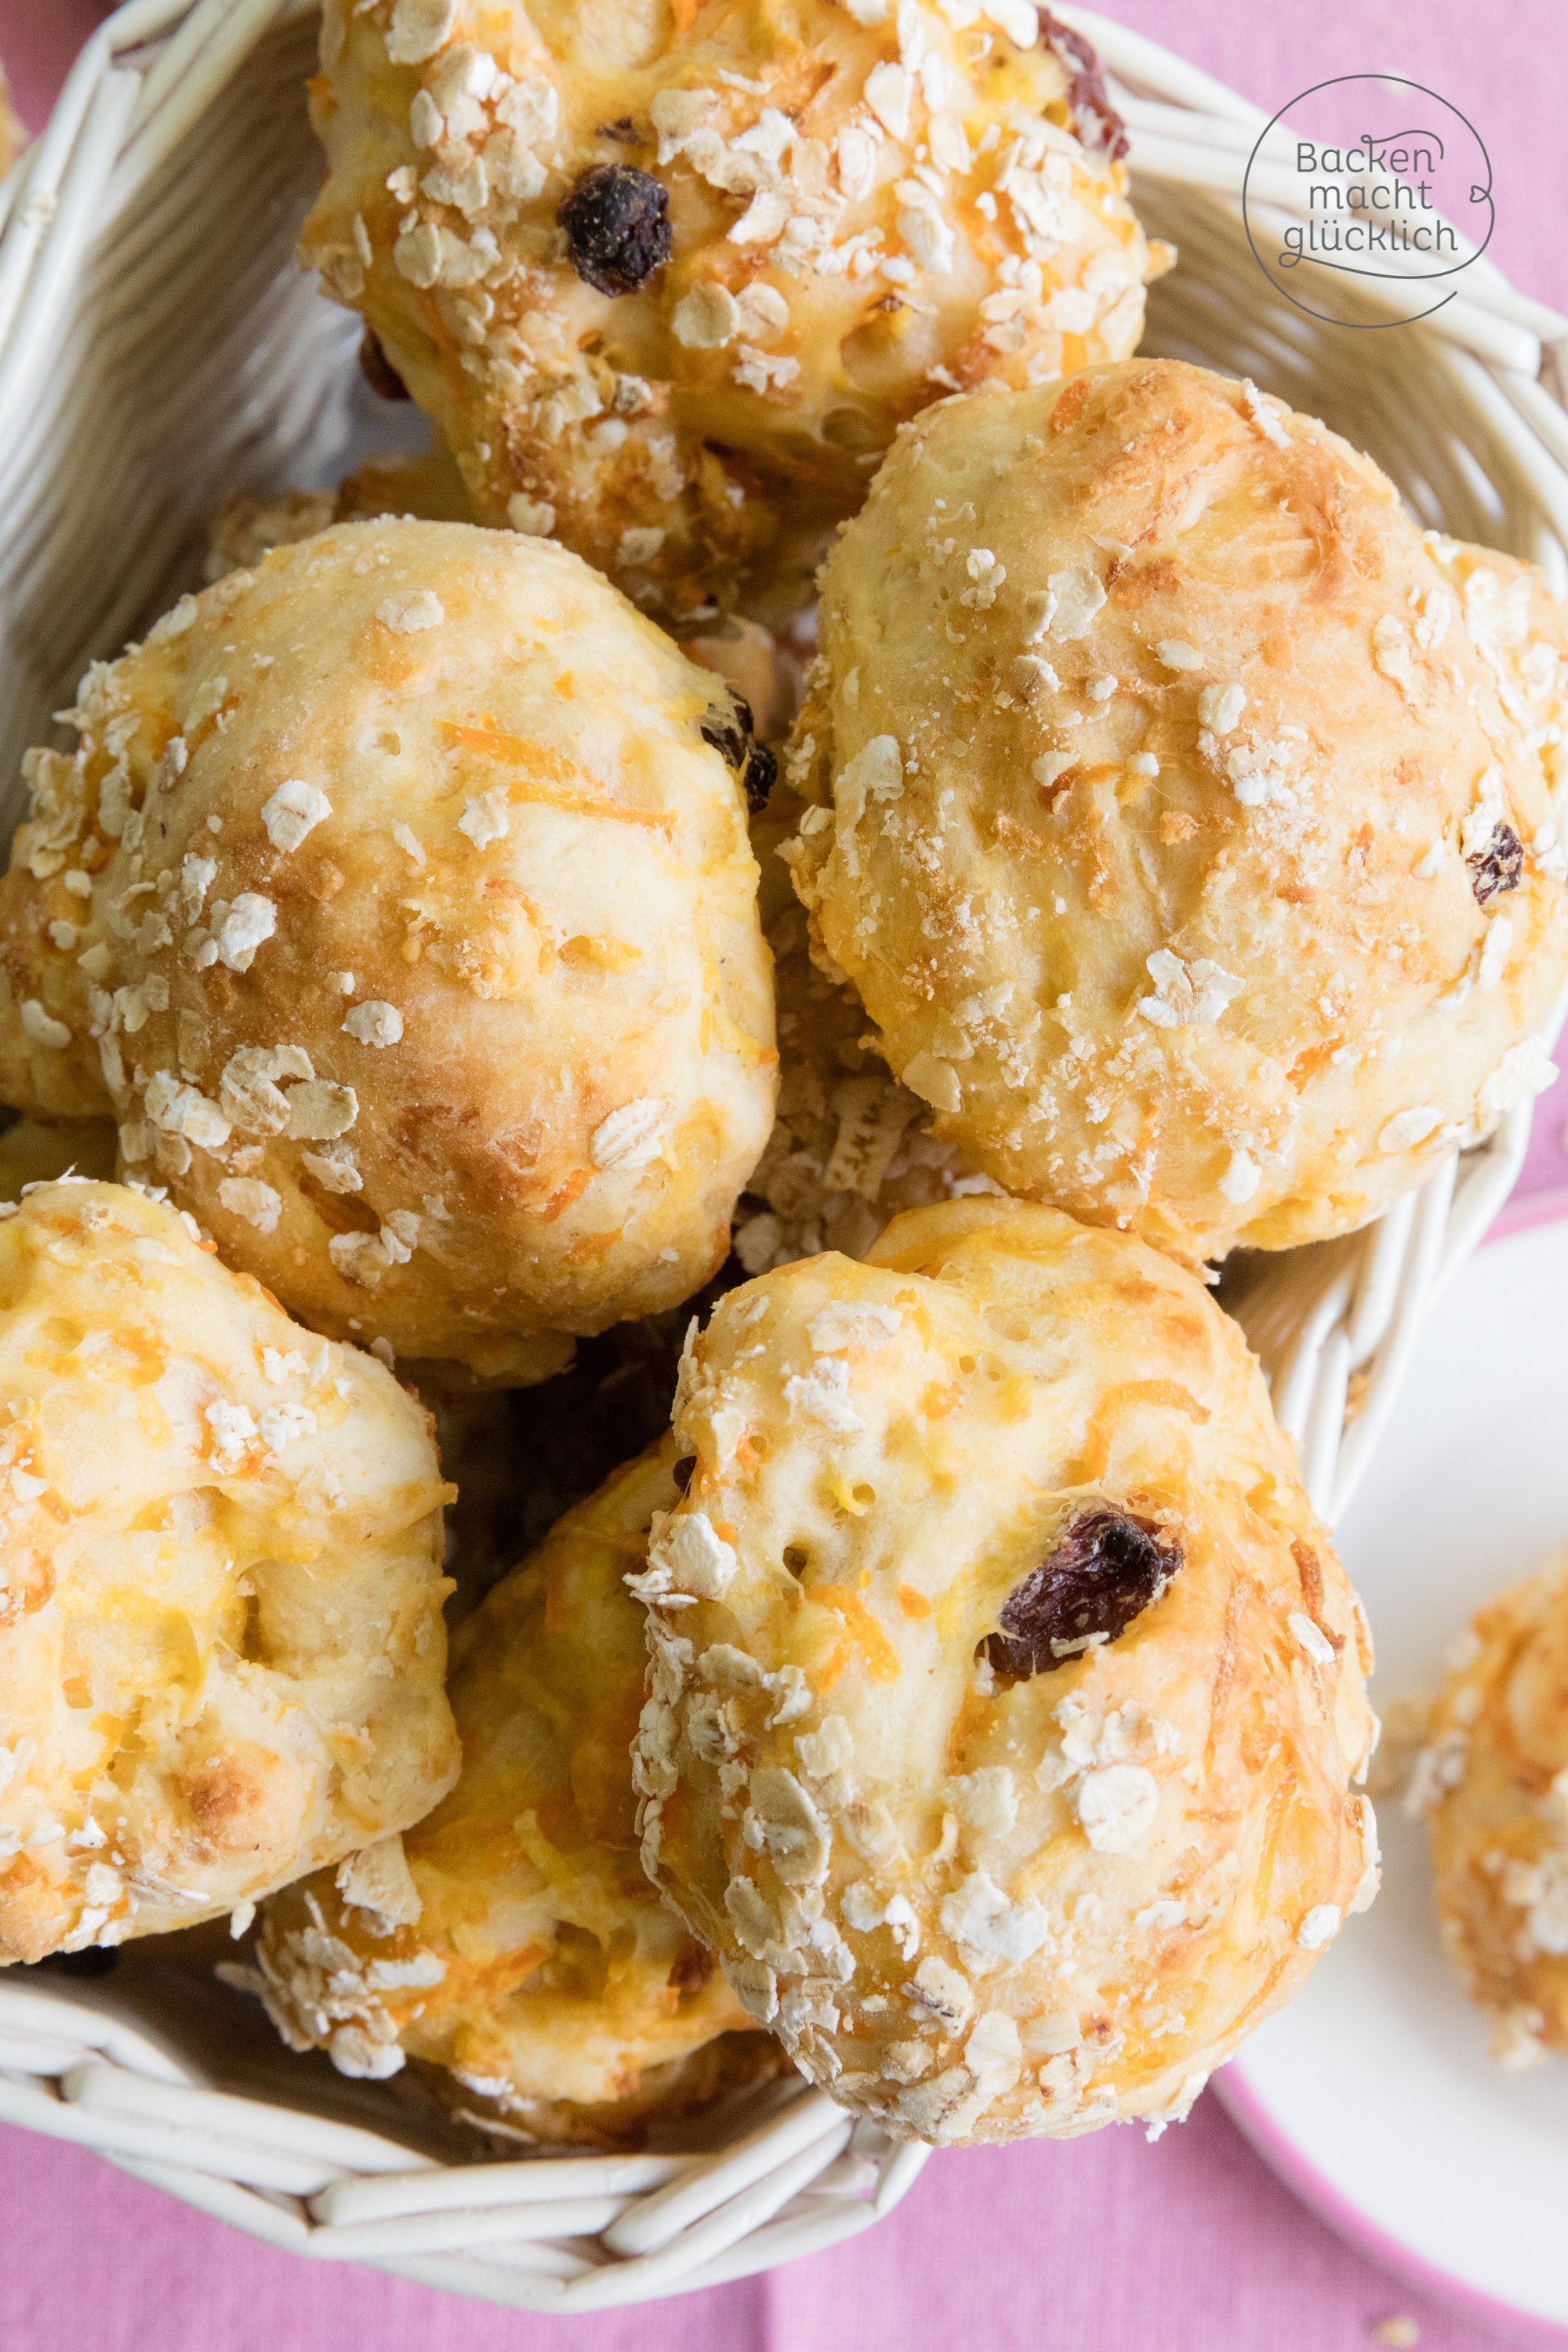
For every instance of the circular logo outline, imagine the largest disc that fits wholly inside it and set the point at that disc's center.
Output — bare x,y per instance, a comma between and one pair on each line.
1481,195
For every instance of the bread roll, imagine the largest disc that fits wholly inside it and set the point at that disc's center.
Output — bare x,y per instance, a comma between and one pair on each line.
221,1645
1492,1785
1186,819
512,1943
428,488
398,903
668,286
1006,1692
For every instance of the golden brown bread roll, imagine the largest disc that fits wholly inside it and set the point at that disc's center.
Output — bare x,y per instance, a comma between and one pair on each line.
1492,1783
512,1940
221,1645
400,908
1005,1689
668,286
429,488
1183,815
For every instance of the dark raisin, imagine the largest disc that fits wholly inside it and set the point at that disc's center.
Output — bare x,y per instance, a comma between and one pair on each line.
94,1960
727,726
378,371
1499,866
682,1474
761,775
1103,1571
732,737
729,731
1095,119
617,221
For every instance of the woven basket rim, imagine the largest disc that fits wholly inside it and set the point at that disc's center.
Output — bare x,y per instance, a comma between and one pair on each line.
73,2062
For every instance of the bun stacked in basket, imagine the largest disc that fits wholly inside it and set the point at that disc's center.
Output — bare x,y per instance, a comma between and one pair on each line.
669,291
511,1942
1005,1690
1171,832
398,903
1181,815
220,1598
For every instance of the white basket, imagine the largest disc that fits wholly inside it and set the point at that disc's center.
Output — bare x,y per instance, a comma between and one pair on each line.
159,350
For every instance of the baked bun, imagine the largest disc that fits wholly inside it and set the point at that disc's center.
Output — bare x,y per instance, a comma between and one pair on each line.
512,1940
1184,814
221,1645
668,290
850,1149
428,488
400,906
1492,1783
1005,1689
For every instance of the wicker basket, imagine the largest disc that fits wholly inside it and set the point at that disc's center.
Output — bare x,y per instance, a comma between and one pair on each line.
158,349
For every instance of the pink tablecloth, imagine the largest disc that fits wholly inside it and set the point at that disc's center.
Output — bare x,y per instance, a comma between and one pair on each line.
1188,2246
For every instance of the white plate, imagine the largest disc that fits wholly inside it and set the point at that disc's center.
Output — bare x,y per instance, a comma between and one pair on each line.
1372,2095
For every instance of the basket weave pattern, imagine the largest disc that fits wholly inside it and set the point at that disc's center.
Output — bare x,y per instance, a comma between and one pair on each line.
158,351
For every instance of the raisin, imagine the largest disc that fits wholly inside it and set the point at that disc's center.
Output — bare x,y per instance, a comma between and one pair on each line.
729,730
1095,119
1106,1570
1499,866
378,371
617,221
682,1474
762,774
623,131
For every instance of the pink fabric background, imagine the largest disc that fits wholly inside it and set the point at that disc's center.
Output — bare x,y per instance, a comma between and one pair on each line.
1189,2246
